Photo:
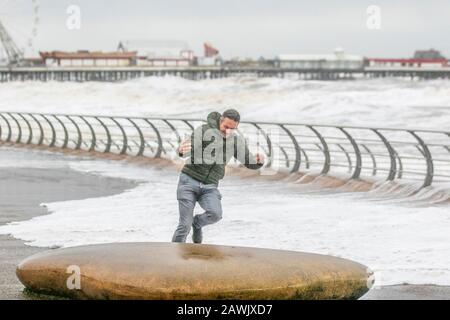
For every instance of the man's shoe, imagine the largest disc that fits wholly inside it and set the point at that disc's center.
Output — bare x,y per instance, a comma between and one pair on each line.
197,235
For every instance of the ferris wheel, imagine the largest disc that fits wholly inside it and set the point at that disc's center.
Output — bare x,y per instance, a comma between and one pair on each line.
19,23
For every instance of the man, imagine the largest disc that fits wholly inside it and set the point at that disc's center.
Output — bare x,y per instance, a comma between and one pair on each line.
210,148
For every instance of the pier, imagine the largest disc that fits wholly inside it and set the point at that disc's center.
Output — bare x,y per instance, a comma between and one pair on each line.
116,74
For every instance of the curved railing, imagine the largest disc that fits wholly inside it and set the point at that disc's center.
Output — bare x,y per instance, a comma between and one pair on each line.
351,152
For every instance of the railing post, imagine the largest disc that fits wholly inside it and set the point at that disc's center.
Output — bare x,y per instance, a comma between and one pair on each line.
286,156
66,134
173,129
158,137
400,165
124,135
80,139
269,144
141,137
30,129
19,135
374,161
326,150
297,160
428,158
53,141
94,138
108,135
41,130
8,137
349,159
358,166
393,165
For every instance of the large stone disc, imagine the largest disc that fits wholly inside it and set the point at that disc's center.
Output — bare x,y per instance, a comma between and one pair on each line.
189,271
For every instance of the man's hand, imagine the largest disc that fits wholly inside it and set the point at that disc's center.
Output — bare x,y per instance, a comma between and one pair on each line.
259,158
185,147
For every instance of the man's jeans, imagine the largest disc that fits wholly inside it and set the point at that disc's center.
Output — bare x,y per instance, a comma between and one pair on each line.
189,192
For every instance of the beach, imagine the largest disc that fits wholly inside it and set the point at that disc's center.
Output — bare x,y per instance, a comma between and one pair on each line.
28,183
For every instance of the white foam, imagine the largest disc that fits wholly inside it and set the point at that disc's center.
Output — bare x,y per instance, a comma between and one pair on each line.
371,102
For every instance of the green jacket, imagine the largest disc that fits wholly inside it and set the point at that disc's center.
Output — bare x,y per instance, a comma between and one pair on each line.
207,160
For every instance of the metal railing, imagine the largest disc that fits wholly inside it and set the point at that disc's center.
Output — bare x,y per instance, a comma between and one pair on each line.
349,151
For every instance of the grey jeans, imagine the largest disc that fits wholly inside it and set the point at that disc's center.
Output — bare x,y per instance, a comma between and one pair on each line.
189,192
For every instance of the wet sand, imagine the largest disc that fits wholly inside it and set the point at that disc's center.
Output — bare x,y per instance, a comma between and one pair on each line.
22,190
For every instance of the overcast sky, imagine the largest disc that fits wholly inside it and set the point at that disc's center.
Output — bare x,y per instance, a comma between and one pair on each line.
248,27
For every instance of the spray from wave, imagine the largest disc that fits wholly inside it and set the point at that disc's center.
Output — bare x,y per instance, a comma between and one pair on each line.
368,102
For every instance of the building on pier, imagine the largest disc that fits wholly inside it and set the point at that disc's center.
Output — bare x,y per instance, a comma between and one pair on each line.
84,58
159,53
428,54
211,56
337,60
34,62
399,63
423,59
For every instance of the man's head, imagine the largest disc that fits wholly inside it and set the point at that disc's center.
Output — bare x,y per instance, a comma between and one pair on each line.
229,122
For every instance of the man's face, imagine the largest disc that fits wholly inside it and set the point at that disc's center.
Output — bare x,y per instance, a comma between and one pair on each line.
228,127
